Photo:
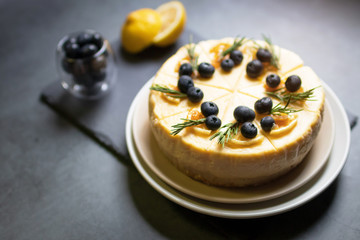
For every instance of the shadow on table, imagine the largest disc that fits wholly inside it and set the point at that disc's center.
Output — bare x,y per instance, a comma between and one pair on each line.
149,54
174,221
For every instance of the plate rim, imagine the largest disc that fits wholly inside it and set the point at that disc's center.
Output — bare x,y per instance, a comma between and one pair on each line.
205,207
263,193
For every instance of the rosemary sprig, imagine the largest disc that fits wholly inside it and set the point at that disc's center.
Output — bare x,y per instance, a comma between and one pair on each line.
237,43
284,96
191,52
177,128
231,131
275,58
170,92
278,109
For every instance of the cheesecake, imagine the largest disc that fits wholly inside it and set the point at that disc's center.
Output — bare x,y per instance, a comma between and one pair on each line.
239,160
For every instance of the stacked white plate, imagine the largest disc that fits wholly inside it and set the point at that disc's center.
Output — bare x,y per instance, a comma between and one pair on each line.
310,178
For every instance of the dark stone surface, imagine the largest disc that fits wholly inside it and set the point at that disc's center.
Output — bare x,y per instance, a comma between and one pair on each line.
57,183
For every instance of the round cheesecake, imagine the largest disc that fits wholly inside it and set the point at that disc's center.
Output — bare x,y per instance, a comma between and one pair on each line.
240,161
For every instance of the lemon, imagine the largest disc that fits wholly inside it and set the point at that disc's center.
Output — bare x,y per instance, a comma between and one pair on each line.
140,28
173,18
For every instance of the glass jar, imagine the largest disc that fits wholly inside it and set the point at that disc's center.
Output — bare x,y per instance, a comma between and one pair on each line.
86,64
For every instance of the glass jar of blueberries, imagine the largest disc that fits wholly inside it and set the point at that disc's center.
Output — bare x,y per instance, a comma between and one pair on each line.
86,64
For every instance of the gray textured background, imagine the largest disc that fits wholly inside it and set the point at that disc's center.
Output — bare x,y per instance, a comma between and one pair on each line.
57,183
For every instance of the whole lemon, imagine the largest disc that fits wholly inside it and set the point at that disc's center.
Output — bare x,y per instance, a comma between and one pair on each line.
139,29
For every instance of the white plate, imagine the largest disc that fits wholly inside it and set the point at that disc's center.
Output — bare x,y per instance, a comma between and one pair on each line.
162,167
252,210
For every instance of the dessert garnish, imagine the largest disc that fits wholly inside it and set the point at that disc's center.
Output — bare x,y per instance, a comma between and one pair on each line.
184,83
169,92
231,130
254,68
236,56
195,94
186,69
209,108
278,109
177,128
242,114
293,83
191,52
227,64
273,80
212,122
267,123
186,87
263,55
206,70
237,43
263,105
285,96
248,130
274,57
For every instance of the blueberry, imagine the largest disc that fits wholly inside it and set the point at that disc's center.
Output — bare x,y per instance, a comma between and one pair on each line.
254,68
72,50
244,114
227,64
293,83
209,108
88,50
236,56
184,83
267,123
85,80
97,40
248,130
263,105
212,122
263,55
273,80
69,41
206,70
84,38
78,68
98,76
185,69
195,94
98,63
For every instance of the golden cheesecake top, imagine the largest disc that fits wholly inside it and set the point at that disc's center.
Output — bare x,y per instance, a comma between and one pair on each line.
231,89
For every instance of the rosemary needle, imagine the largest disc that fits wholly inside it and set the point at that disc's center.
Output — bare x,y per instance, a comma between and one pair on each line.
177,128
231,131
237,43
170,92
191,52
284,96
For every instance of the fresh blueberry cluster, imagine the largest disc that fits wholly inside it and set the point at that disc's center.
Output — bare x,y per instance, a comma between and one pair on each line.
83,45
292,83
264,106
245,115
186,85
205,70
210,111
255,67
82,61
235,58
